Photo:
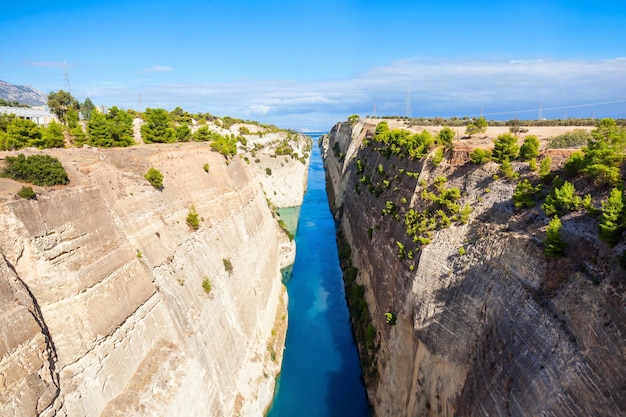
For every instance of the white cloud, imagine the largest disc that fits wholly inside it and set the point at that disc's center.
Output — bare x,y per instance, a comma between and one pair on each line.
437,87
49,64
158,68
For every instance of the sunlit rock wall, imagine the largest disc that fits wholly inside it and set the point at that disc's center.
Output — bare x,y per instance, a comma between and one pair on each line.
500,330
104,311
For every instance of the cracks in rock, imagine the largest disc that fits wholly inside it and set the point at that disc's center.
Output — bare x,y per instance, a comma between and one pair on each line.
39,319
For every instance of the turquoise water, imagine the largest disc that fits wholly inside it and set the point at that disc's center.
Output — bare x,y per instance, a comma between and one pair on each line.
321,375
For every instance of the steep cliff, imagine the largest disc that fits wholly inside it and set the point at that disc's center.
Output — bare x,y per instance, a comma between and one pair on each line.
485,323
101,282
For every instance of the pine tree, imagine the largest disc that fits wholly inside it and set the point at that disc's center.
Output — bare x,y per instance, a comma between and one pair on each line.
611,221
554,245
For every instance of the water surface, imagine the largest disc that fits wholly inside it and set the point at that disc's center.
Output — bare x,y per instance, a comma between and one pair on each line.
321,375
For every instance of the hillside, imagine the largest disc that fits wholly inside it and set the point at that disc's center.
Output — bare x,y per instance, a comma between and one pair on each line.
24,94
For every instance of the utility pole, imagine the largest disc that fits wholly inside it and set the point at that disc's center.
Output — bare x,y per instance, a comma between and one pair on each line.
540,110
407,103
374,110
140,103
66,78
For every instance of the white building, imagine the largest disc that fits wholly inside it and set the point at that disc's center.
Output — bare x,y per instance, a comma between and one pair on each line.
39,115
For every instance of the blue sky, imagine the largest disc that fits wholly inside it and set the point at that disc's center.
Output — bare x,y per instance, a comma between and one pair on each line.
309,64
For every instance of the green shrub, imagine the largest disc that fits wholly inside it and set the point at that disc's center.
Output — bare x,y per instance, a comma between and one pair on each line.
554,245
573,139
154,177
193,219
461,251
612,218
438,157
268,171
545,169
562,200
207,286
523,194
505,147
390,318
36,169
26,192
530,148
480,156
206,167
507,170
353,119
228,266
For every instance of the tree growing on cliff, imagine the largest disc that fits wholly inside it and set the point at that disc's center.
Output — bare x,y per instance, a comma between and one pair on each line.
612,219
530,148
193,219
554,245
154,177
445,137
505,147
43,170
480,156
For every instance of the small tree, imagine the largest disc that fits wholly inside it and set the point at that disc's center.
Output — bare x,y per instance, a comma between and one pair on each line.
505,147
545,169
87,108
154,177
26,192
445,137
157,128
611,221
530,148
228,266
554,245
478,126
52,136
480,156
60,103
193,219
207,286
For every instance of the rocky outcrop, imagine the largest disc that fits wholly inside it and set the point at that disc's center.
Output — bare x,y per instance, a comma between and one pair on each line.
485,323
24,94
101,282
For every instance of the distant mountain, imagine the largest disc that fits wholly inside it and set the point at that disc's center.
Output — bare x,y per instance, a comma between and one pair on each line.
24,94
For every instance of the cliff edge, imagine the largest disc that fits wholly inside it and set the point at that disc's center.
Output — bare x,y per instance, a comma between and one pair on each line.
456,308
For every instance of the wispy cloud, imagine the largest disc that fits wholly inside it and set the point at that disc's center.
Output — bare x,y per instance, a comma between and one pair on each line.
158,68
50,64
436,87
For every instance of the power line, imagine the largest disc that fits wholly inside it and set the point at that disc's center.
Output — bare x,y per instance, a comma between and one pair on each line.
575,106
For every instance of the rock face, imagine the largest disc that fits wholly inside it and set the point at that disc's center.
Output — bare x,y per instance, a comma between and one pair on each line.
495,329
101,283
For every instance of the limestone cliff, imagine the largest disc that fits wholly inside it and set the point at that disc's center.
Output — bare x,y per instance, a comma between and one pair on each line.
486,324
101,283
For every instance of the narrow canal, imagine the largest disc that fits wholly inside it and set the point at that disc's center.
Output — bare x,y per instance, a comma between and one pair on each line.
320,374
